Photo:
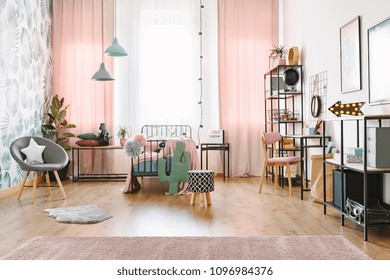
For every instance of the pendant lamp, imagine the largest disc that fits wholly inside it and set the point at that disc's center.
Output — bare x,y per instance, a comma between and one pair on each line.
115,49
102,74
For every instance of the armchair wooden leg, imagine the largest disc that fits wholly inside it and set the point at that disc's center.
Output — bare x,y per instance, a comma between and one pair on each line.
34,186
59,184
48,182
262,177
23,183
289,179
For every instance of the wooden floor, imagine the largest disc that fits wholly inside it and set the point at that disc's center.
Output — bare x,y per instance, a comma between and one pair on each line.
237,210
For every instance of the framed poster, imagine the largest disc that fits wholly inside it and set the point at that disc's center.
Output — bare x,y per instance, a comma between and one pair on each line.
379,62
350,56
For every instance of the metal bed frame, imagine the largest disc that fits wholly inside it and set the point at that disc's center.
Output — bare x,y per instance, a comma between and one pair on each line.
153,133
175,130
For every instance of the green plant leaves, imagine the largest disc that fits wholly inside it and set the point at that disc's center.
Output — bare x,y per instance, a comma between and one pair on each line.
57,124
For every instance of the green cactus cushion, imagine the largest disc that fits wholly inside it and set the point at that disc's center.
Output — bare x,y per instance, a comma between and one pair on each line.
180,165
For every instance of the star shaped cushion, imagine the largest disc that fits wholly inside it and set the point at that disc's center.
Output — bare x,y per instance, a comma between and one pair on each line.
33,152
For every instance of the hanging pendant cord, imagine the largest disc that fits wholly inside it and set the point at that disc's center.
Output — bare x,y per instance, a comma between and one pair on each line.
114,18
102,33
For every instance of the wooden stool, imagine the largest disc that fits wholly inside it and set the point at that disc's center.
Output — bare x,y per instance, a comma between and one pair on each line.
200,182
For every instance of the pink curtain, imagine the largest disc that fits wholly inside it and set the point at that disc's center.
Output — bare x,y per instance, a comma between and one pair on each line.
245,36
77,53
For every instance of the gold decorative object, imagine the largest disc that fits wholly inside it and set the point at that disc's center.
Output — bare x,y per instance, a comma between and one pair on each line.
351,109
293,56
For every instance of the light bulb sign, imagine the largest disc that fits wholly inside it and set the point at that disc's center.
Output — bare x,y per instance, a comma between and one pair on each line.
351,109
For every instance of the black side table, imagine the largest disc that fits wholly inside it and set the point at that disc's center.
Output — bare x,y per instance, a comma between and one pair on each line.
224,147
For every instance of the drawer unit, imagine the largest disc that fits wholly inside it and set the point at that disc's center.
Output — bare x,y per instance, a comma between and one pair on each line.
378,149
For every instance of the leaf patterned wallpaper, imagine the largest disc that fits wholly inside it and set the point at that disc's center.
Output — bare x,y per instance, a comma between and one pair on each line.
25,76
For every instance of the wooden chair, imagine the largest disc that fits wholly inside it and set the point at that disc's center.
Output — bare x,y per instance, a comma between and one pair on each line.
272,138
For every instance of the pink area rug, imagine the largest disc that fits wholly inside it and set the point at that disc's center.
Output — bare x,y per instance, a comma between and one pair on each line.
189,248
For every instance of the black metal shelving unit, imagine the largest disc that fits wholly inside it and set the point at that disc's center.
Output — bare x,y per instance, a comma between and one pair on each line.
283,103
365,122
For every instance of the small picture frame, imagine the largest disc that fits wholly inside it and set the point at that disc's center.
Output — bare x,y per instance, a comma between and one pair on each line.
350,66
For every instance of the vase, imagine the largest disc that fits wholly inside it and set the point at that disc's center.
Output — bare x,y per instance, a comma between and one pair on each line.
293,56
122,141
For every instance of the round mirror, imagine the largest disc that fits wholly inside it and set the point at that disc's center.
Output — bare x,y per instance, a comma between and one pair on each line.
315,106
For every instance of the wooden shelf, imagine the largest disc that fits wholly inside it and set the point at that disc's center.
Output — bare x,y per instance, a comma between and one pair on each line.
359,167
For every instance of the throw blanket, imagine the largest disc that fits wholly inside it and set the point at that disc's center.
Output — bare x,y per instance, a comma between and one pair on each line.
189,147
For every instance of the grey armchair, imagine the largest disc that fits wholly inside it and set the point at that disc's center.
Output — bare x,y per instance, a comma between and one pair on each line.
54,158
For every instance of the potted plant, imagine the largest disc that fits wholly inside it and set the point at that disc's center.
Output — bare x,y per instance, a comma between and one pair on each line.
278,54
123,132
56,127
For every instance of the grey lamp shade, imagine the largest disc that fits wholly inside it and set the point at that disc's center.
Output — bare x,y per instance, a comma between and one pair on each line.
115,49
102,74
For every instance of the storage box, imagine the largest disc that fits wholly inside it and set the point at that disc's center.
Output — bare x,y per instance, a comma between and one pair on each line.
377,211
378,152
354,159
356,151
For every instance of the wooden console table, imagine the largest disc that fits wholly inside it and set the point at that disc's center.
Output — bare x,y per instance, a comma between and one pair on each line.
77,176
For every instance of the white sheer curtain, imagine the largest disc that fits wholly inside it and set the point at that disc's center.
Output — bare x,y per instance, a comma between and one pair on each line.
158,82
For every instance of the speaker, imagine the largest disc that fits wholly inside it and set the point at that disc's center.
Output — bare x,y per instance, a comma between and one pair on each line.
291,77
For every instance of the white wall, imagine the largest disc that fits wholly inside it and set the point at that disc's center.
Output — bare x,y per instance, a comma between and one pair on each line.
314,27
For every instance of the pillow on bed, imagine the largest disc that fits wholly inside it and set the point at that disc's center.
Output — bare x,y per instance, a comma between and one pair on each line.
140,138
86,142
89,136
152,147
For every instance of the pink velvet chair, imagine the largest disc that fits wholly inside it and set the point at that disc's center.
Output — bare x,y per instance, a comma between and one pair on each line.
272,138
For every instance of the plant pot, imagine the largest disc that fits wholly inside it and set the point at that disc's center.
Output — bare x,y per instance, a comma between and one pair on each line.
281,61
62,173
122,141
276,61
